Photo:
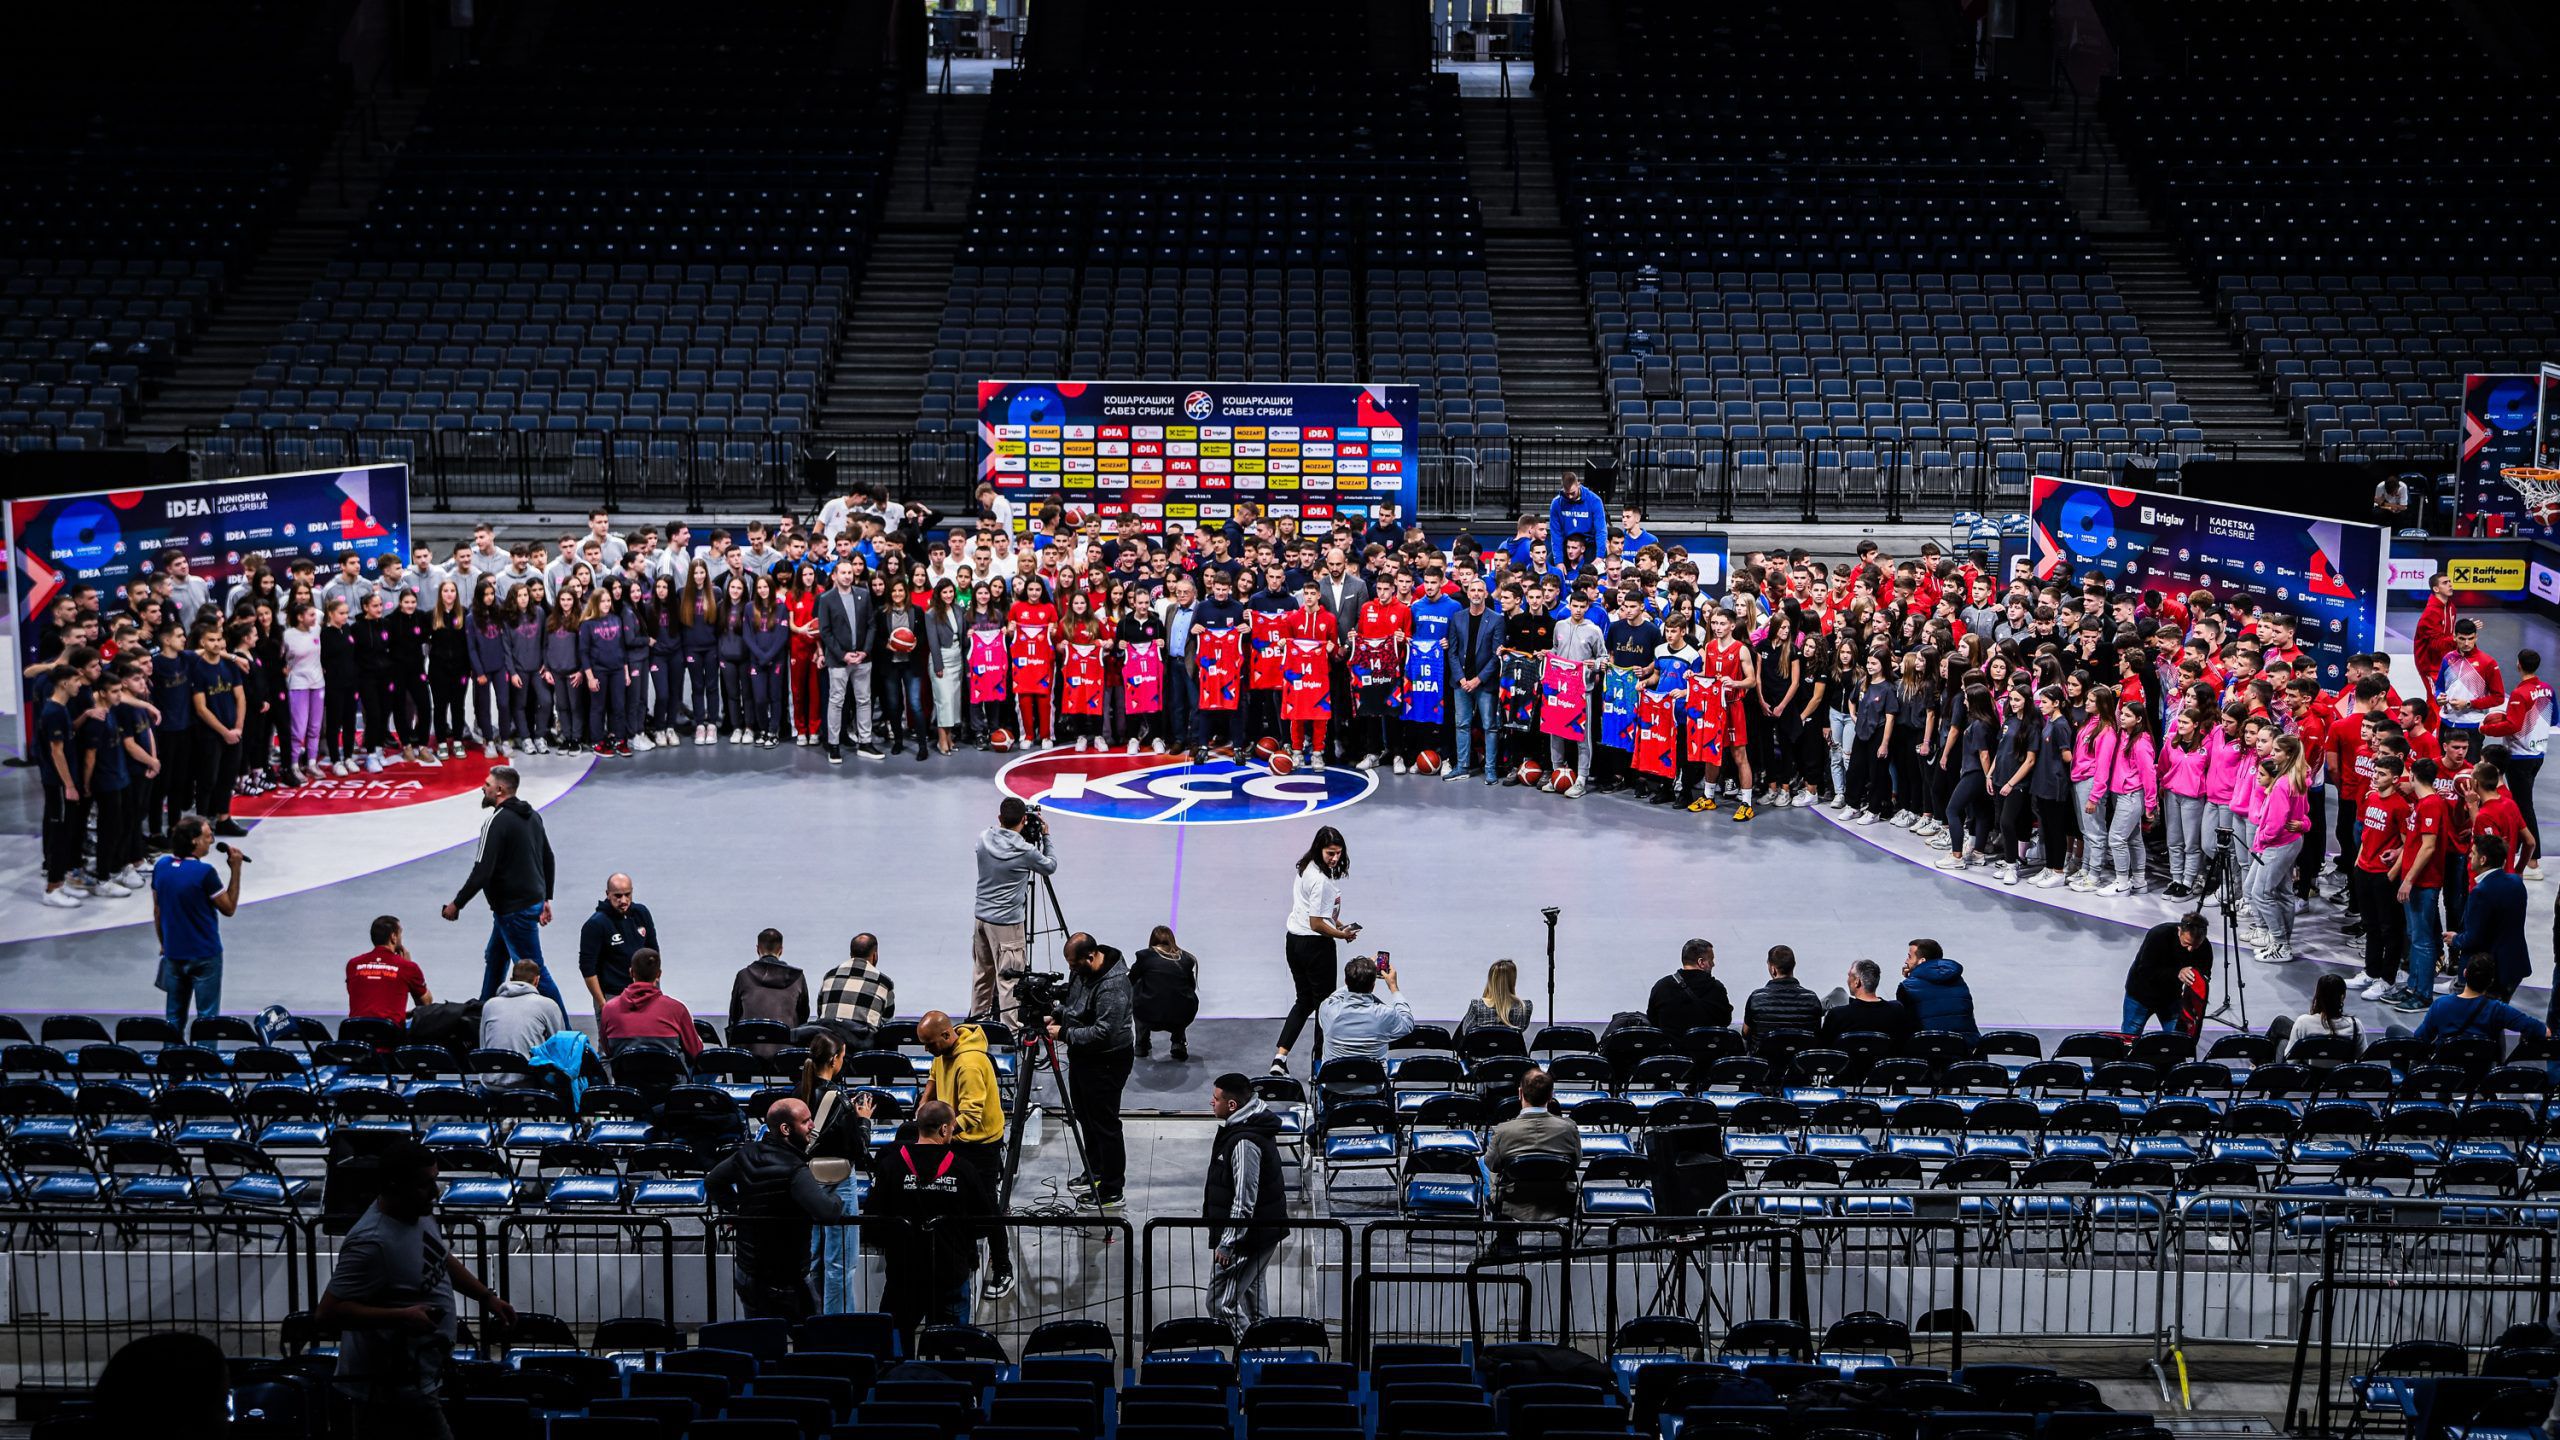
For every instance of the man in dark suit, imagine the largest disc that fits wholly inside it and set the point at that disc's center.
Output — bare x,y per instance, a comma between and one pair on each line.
1475,661
844,642
1342,590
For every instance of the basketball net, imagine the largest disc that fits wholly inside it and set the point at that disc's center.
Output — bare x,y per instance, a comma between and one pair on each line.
2540,490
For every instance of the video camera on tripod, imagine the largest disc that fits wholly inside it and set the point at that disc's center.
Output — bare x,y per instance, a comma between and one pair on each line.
1037,995
1035,825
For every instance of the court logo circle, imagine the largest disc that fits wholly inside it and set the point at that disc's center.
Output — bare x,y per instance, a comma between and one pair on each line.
1176,789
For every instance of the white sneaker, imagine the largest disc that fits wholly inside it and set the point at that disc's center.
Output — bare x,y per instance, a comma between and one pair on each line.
2009,872
1580,789
541,745
62,899
2533,871
1952,860
373,764
1399,766
1157,747
2082,884
642,741
1548,785
2277,954
1867,817
2445,984
133,877
2374,989
1367,762
1904,819
1315,761
2121,887
1080,743
1941,842
2047,879
109,890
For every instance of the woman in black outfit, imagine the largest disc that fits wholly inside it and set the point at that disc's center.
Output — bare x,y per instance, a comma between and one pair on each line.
839,1147
448,667
903,711
408,631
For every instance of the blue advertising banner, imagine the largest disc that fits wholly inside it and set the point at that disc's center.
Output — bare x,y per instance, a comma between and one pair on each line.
2505,421
111,538
2326,573
1176,456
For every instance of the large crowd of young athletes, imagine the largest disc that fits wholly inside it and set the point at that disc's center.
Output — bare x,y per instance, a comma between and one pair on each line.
2060,732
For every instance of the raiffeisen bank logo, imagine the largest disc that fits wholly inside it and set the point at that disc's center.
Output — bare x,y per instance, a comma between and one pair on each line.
1175,790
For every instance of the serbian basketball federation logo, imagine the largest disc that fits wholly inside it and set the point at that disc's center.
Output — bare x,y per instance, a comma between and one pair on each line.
1198,405
1176,790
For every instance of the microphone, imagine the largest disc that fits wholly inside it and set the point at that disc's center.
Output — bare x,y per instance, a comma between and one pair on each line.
225,847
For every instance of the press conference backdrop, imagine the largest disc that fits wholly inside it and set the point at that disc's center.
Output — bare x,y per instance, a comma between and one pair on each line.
2506,420
2326,573
109,538
1188,453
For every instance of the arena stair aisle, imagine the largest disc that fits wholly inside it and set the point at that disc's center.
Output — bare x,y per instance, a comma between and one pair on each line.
1550,368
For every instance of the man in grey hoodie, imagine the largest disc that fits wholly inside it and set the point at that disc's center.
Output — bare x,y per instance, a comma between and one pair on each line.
520,1017
769,989
1006,863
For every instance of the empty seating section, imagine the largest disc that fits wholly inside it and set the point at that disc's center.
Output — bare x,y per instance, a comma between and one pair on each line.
1811,265
121,223
1295,220
2368,256
624,269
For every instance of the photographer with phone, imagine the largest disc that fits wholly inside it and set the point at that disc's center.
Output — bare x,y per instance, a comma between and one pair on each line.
1315,923
1359,1023
1010,852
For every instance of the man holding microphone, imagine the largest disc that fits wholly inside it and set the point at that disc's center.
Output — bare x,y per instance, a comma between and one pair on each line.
188,904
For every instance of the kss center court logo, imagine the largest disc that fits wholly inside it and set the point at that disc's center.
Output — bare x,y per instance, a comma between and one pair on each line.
1176,790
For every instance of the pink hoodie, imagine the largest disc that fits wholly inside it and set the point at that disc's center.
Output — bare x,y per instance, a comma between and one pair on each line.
2284,817
2182,772
2093,754
2140,772
2248,794
2225,761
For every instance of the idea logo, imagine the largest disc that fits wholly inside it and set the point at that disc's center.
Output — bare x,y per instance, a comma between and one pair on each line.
1176,790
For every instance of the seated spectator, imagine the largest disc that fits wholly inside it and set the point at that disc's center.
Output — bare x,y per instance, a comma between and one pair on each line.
1783,1003
519,1017
1500,1004
2327,1017
1933,990
1164,987
1536,1130
1691,996
2473,1010
383,980
768,989
1862,1011
1354,1022
643,1014
855,998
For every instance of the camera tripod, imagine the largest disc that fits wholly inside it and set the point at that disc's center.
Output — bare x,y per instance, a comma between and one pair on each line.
1034,1051
2226,873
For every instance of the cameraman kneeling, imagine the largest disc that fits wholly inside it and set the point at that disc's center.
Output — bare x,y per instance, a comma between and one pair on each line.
1093,1020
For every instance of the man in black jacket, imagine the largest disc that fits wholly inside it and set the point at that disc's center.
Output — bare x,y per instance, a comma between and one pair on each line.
2155,986
766,1184
1691,996
512,867
1784,1003
1093,1021
620,928
922,1195
1245,1195
844,644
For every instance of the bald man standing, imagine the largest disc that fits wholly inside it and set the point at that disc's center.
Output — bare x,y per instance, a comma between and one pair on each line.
619,929
766,1184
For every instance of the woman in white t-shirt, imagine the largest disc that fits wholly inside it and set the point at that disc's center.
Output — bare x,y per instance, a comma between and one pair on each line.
2328,1016
305,693
1315,922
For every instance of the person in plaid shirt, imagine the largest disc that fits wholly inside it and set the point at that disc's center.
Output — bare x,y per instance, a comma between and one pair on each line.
855,994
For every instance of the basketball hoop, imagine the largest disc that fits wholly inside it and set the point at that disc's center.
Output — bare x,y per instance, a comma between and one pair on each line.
2540,489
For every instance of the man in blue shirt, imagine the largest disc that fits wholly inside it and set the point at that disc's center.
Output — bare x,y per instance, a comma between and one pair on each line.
1633,536
1577,511
187,902
1353,1022
2473,1010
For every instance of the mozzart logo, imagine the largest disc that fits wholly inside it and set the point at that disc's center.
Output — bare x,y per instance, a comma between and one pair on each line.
1176,790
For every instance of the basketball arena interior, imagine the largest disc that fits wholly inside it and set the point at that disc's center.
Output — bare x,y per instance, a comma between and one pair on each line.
2253,299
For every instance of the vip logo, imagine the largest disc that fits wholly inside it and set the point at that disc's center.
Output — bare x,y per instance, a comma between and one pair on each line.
1159,789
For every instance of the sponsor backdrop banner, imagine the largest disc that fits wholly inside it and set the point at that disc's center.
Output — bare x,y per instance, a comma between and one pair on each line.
113,537
1185,454
2502,425
2326,573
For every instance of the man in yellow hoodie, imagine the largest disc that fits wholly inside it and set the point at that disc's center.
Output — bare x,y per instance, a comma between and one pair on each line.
964,1078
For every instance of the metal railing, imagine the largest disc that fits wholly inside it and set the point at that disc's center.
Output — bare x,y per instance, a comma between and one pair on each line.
82,1283
1305,1276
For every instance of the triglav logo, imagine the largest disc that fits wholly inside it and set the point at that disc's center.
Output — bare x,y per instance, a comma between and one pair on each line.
1171,789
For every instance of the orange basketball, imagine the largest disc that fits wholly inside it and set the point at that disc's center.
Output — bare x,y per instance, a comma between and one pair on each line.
1531,772
1001,739
902,641
1280,763
1564,780
1266,747
1427,763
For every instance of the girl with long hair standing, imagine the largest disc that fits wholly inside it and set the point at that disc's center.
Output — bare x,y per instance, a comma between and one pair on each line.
946,657
2182,775
768,637
902,675
839,1148
1315,923
448,667
698,611
306,691
665,629
732,653
2284,818
2094,752
1031,629
2136,796
808,677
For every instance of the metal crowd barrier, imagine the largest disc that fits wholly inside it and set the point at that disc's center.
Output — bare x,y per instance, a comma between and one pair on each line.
1306,1275
83,1283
